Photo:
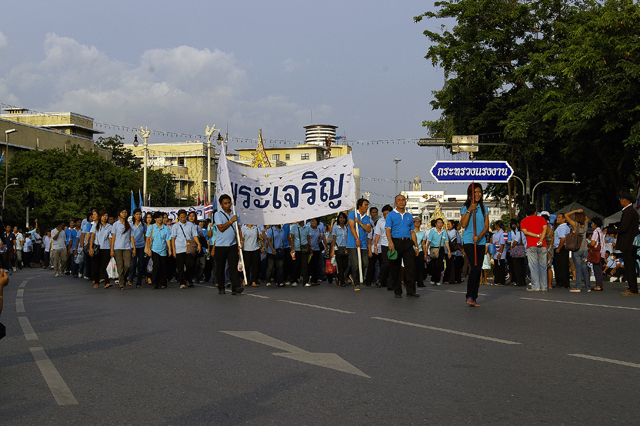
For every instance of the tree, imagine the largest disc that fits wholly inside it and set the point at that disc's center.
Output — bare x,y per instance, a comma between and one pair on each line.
67,184
556,80
121,156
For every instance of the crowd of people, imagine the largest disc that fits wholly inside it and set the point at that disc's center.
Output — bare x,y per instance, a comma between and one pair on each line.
358,248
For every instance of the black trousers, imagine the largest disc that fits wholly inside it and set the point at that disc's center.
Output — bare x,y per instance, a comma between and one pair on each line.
224,255
458,265
475,269
371,268
159,274
499,271
185,260
406,253
314,266
449,274
518,271
252,265
561,266
301,267
419,265
437,266
629,258
343,263
99,264
384,268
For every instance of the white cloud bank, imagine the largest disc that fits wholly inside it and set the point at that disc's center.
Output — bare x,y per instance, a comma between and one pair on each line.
180,89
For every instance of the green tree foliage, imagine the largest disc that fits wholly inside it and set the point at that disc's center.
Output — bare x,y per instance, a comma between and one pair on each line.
67,184
556,80
121,156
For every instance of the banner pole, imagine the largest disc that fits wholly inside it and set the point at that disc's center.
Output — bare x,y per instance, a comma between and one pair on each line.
244,270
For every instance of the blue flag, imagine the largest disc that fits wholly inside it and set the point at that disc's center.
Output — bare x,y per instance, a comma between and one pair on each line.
139,199
133,204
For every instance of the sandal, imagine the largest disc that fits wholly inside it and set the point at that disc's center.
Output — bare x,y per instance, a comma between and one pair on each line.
121,288
96,286
107,285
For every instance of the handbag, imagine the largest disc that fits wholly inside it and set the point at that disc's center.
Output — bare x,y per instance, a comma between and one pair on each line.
192,247
434,252
573,241
593,255
304,248
518,250
453,245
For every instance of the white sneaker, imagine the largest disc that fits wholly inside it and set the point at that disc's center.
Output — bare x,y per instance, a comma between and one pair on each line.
307,285
57,274
614,279
14,269
79,275
295,284
268,284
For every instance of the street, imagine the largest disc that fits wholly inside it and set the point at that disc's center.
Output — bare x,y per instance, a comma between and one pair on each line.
322,355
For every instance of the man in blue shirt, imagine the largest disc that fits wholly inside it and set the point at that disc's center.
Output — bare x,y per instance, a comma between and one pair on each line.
227,246
357,240
401,235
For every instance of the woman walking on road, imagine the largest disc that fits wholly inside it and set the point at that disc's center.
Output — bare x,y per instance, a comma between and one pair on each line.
100,247
473,238
580,226
597,240
158,248
122,246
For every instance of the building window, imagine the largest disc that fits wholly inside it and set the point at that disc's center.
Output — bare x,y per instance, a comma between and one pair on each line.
319,157
181,161
275,157
304,156
287,157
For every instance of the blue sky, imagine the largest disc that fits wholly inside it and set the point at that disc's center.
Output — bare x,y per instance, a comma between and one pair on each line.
179,66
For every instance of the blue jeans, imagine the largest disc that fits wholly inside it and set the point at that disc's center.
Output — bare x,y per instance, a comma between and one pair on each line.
537,257
138,266
582,270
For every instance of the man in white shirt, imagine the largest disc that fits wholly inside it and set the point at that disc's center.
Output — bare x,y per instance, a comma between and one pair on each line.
19,246
58,248
381,247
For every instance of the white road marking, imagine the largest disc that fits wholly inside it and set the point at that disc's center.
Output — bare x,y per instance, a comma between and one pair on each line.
327,360
207,286
20,292
257,295
19,305
23,283
58,387
460,333
316,306
28,331
581,303
611,361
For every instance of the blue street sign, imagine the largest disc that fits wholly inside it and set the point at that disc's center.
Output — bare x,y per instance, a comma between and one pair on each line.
472,171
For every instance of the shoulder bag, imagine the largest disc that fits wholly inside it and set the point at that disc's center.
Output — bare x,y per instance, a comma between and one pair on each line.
453,245
573,241
303,247
593,255
192,247
518,250
434,252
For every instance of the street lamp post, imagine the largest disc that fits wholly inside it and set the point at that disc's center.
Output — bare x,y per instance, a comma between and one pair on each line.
209,132
397,160
6,140
574,182
144,133
15,182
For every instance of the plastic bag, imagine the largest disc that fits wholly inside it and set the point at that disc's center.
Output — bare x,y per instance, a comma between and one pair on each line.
112,270
150,266
79,257
334,262
329,267
239,265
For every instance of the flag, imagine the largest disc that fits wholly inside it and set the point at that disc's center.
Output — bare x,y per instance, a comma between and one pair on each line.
133,203
1,158
198,199
204,197
208,208
139,199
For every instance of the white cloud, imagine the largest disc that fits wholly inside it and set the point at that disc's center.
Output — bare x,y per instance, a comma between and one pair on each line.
179,89
290,65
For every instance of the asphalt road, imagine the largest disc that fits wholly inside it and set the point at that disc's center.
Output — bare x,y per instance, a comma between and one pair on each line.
79,356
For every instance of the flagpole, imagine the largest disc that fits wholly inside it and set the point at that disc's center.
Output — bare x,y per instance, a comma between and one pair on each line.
244,270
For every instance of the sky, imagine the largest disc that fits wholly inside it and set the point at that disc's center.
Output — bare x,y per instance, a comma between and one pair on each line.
274,65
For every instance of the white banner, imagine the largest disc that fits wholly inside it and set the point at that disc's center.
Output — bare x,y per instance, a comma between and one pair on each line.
172,212
279,195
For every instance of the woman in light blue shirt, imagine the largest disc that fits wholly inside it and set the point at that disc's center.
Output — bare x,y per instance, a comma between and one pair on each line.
518,239
251,248
122,246
437,239
339,247
138,230
300,248
158,248
184,233
100,240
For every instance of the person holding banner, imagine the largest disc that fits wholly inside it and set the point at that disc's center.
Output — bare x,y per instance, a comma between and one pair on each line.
227,249
475,221
403,247
357,241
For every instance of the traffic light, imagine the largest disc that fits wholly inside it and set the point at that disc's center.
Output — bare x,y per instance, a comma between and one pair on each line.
28,199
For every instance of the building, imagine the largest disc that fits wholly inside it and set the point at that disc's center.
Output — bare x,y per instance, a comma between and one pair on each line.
47,131
186,161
